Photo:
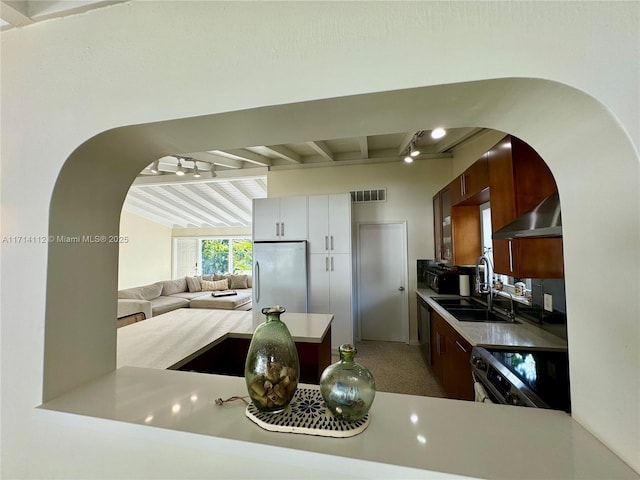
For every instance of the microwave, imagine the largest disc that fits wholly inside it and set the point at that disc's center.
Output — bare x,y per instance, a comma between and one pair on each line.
443,281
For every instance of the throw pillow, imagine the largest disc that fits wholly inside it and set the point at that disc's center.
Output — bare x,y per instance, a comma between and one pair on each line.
238,281
194,284
214,285
217,276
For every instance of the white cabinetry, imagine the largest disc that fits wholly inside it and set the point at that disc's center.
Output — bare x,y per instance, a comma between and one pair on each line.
282,218
330,223
330,291
330,263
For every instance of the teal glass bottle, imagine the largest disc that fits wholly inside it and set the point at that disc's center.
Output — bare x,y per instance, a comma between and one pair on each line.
347,387
272,367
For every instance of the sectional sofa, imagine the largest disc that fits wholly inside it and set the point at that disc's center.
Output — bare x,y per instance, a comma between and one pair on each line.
139,303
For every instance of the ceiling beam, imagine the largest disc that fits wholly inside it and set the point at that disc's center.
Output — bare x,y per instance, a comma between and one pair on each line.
322,149
245,193
364,146
132,205
15,13
255,174
239,217
191,206
230,200
284,153
246,198
219,160
153,210
245,156
402,148
163,204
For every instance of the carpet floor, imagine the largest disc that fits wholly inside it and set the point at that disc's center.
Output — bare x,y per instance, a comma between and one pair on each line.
397,368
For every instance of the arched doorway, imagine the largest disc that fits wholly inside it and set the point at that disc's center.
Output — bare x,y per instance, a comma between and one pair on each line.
80,341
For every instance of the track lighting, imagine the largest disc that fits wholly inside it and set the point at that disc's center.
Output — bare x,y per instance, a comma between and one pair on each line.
180,170
408,159
438,133
155,167
414,152
196,172
213,170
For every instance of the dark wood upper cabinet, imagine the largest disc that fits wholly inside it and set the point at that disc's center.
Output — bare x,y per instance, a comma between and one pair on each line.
472,186
519,180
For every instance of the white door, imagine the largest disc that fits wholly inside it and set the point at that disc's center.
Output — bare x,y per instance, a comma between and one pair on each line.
185,257
382,282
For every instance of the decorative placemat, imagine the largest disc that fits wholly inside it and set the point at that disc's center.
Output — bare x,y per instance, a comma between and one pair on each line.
307,414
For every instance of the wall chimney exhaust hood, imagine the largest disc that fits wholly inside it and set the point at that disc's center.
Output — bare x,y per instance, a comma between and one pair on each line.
542,221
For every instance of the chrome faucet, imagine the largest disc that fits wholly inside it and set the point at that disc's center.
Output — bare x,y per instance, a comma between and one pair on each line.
512,312
486,285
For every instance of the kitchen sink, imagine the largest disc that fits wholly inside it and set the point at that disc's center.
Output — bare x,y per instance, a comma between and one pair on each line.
461,303
475,315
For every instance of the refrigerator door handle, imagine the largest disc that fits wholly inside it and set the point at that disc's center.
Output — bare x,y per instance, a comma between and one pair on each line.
257,281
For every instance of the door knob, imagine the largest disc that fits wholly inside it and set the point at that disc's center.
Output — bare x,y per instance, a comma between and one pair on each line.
401,289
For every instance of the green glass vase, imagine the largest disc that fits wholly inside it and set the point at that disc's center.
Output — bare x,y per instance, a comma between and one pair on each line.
347,387
272,367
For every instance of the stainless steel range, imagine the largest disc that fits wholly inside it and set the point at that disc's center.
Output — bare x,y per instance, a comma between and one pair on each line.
521,376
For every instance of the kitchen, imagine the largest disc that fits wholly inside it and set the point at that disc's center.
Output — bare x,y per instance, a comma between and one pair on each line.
493,298
583,122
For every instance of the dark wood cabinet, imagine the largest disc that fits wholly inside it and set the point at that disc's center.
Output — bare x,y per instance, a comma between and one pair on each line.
519,180
450,357
229,356
442,226
472,186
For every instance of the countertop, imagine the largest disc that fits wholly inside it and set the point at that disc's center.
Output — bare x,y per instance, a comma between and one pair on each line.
172,339
484,334
431,434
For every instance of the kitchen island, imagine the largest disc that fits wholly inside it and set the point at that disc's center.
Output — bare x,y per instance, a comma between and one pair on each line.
216,341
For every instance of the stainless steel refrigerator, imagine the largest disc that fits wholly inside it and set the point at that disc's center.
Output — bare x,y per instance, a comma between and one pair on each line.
280,276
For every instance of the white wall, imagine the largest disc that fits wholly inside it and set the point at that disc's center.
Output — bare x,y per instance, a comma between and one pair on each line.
65,81
144,253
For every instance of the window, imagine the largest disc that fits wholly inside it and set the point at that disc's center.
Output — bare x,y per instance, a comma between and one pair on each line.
205,256
225,255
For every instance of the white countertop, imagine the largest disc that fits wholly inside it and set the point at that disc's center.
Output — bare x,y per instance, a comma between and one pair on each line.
433,434
172,339
497,334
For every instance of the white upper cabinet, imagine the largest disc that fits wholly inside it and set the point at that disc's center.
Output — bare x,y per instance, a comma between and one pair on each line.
281,219
330,223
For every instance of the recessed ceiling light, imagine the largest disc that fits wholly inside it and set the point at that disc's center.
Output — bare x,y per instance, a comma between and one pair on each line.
438,133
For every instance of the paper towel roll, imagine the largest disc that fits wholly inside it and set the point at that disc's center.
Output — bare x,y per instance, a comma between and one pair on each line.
464,285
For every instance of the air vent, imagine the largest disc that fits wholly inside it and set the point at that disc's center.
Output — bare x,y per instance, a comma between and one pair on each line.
366,196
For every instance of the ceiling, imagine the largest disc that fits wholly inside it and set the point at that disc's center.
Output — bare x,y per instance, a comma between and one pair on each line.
18,13
229,180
